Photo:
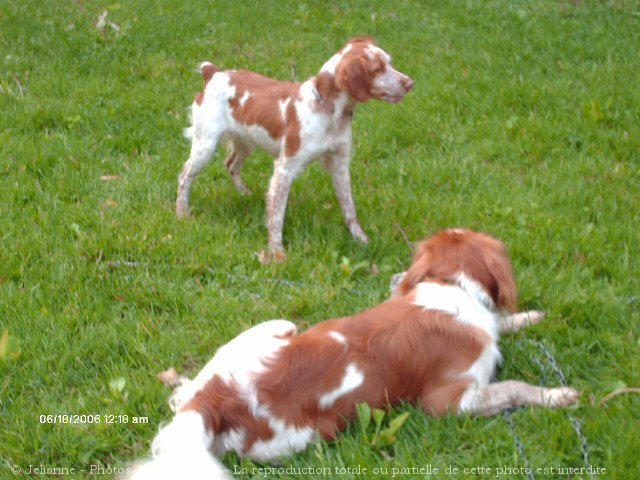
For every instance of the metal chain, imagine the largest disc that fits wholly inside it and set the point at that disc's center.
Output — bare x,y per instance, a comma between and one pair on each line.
117,265
584,444
575,422
543,370
507,412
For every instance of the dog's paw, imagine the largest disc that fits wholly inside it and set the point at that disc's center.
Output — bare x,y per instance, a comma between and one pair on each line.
518,321
241,187
561,397
279,256
170,378
182,209
267,258
534,316
358,233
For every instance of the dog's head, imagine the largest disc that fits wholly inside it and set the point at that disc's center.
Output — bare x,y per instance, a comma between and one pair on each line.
363,71
466,258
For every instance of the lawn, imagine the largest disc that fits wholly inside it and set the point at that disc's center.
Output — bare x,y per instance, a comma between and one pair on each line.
524,122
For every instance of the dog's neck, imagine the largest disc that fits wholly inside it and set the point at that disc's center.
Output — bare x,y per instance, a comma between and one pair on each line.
331,99
464,299
327,106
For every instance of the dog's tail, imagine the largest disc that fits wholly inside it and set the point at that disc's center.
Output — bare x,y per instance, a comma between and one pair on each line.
180,451
208,70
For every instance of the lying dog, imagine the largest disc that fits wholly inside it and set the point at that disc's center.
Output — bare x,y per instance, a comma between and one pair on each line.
295,122
271,391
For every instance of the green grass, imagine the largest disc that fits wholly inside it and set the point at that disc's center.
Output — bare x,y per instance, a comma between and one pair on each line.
524,123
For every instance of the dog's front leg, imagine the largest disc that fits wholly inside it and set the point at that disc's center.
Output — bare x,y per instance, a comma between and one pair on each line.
518,321
491,399
286,170
337,164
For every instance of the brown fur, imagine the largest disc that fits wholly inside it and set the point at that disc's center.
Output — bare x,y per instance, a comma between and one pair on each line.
480,256
326,86
262,108
355,72
236,102
405,353
352,77
222,410
292,135
208,70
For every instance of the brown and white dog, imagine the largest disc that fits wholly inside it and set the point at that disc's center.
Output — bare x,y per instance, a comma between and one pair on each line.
295,122
271,390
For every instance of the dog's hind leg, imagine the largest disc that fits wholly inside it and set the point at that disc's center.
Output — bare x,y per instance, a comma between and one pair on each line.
238,152
203,145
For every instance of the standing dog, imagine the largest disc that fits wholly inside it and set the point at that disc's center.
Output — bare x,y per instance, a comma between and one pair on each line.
271,391
295,122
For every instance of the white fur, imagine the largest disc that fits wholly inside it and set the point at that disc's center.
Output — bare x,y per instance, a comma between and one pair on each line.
469,303
352,379
466,304
390,81
285,441
484,367
229,440
283,104
475,290
331,64
256,136
334,133
325,134
187,425
338,337
244,98
181,450
203,64
239,359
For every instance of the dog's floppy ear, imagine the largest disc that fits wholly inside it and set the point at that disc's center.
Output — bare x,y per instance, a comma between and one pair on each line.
353,77
502,285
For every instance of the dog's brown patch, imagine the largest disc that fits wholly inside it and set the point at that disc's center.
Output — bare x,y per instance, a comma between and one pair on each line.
262,106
